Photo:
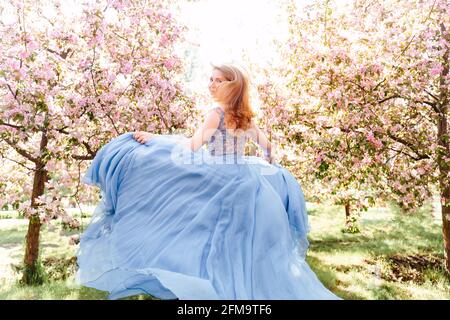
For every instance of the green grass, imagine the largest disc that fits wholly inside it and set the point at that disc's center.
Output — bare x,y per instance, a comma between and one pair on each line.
360,266
395,256
54,246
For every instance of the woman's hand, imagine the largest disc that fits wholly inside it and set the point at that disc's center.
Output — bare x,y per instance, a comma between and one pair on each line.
270,159
142,136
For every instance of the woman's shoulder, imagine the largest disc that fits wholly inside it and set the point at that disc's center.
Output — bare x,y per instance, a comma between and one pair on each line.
212,115
215,109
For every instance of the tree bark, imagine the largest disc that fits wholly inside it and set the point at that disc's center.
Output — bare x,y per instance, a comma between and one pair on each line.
444,187
31,274
347,214
443,137
445,199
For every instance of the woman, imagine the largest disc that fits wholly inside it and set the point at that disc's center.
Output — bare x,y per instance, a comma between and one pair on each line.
178,221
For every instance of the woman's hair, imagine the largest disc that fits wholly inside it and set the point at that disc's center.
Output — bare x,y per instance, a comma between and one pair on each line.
234,95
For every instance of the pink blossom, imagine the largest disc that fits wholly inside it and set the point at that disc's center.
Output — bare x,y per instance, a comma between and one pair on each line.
395,128
127,68
375,142
24,54
14,64
362,69
335,131
367,160
164,40
32,45
55,34
111,77
119,5
74,239
169,64
82,102
378,144
22,73
436,69
318,159
99,38
83,63
420,171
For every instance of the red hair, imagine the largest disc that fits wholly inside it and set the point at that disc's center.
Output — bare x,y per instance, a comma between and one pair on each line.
234,95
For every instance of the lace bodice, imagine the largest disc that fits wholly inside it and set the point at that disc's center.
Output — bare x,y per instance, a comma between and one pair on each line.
223,142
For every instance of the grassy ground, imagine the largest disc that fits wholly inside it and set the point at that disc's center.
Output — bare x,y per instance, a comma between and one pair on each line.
395,256
55,252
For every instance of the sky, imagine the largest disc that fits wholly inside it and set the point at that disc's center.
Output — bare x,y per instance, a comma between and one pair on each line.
224,31
224,28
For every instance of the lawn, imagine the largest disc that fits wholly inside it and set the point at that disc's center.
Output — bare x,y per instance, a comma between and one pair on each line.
395,256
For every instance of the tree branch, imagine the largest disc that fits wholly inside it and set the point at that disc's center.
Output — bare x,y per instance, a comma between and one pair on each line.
62,55
433,105
84,157
62,130
21,151
406,154
378,84
14,94
19,163
88,148
412,38
2,123
389,98
432,95
409,145
91,154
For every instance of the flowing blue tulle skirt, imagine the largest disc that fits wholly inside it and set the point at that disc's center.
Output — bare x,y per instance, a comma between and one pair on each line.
178,224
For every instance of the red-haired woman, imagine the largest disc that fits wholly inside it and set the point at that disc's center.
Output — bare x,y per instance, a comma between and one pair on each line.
181,221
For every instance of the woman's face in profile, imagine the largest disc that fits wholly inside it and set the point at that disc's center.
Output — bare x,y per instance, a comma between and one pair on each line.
215,80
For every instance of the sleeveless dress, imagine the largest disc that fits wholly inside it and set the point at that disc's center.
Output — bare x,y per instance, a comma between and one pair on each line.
222,142
210,224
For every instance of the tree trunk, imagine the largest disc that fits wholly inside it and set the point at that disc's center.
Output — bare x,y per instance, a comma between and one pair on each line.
347,214
31,274
251,150
444,187
443,137
445,205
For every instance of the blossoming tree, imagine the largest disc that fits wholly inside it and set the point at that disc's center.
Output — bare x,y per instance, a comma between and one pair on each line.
372,78
73,76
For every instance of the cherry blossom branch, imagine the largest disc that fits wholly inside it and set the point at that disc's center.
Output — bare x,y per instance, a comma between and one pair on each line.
2,123
21,151
19,163
409,145
407,154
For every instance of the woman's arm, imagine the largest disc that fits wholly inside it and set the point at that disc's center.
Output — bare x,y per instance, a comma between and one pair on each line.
205,131
261,139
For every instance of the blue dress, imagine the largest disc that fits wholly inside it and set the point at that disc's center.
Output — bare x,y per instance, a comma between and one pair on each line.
209,224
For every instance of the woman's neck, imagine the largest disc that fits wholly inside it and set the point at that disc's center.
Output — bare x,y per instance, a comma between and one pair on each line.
221,107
